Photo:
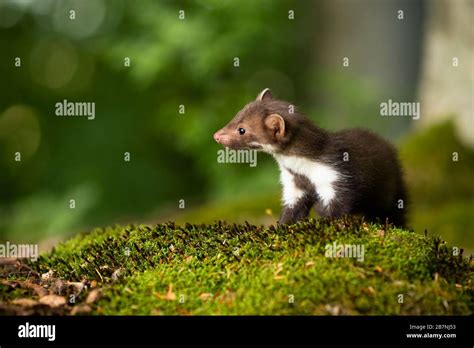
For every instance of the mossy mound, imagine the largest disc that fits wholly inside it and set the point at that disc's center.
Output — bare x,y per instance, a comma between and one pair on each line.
244,269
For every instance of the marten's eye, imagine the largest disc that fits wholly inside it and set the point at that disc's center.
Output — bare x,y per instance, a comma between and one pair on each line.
241,131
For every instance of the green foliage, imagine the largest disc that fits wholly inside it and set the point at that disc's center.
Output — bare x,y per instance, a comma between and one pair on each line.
441,190
173,62
245,269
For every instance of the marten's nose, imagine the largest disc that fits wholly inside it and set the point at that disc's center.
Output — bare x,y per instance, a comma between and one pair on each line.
217,136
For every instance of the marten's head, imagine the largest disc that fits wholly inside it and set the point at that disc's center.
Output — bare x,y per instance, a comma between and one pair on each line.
263,124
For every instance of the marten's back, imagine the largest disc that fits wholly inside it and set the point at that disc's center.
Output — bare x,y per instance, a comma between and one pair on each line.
371,170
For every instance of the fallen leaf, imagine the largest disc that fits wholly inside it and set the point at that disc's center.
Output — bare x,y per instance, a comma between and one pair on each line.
370,290
38,289
81,309
25,302
93,296
333,309
77,286
53,300
205,296
183,311
170,295
228,297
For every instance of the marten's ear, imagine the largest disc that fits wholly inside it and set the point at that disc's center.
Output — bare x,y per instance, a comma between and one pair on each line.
276,124
266,94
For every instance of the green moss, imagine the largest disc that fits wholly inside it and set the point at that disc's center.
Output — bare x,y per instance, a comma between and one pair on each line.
244,269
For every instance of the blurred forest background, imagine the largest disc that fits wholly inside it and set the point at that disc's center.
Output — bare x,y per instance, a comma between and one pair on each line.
296,48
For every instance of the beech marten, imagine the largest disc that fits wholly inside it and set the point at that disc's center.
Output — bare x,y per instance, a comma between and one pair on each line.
347,172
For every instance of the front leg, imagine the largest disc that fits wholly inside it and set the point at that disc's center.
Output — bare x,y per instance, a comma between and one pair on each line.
297,202
296,212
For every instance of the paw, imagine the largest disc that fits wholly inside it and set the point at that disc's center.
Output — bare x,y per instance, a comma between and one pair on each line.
282,221
287,218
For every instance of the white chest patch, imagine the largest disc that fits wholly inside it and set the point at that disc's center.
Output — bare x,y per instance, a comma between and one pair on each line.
291,193
322,176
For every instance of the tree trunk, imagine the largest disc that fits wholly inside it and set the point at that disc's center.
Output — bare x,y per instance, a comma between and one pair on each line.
447,80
